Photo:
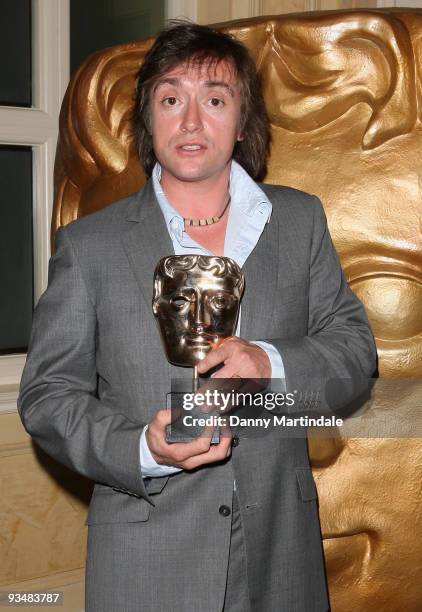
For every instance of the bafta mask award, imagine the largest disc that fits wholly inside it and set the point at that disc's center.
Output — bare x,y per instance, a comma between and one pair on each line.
196,303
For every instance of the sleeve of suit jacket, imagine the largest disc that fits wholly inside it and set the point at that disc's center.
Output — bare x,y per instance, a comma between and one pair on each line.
334,361
57,402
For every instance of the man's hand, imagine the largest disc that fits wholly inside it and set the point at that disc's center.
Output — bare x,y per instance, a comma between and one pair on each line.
186,455
241,359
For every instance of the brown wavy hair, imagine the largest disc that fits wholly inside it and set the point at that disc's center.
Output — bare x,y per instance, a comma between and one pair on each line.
184,42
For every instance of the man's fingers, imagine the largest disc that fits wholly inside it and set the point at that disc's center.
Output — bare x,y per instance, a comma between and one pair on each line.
162,418
239,357
227,371
174,454
187,455
181,451
215,356
217,452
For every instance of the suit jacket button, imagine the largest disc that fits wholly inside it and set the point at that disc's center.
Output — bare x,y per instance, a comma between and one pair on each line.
235,441
224,510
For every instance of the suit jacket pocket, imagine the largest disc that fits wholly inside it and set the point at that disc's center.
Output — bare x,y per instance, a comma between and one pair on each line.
305,480
115,507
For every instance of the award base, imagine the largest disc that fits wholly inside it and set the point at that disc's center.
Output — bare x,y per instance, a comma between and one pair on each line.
182,429
175,434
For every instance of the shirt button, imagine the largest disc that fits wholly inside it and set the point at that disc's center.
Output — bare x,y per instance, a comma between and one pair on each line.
235,441
224,510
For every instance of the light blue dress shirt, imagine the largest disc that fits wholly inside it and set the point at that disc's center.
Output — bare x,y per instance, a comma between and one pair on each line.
249,211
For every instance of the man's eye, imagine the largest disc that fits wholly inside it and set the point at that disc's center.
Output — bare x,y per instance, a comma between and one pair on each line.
169,101
216,102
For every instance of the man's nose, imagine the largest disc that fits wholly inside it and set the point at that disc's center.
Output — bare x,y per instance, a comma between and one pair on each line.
191,120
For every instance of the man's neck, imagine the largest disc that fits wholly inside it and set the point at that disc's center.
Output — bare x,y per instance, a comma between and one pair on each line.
197,199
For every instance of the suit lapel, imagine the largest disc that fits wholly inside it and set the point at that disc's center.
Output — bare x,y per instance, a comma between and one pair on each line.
261,271
147,240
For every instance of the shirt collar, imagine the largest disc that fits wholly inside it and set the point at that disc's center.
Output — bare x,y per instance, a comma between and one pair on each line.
246,196
173,219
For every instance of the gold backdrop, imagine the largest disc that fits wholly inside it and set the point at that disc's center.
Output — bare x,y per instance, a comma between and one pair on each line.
343,91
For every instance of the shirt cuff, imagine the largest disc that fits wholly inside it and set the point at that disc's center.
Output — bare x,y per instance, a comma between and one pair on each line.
276,361
149,467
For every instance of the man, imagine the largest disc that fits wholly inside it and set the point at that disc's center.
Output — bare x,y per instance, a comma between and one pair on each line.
231,526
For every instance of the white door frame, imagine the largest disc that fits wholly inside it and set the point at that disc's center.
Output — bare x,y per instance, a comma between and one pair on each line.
38,127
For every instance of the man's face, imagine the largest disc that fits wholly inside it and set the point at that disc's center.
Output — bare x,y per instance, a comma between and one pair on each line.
195,310
195,120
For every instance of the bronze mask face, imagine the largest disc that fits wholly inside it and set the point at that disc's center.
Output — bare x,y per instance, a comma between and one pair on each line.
196,302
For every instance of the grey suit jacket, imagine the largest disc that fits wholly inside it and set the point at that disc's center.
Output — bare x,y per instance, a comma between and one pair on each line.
96,373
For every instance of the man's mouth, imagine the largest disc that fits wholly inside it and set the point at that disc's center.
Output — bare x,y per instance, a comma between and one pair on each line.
191,147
